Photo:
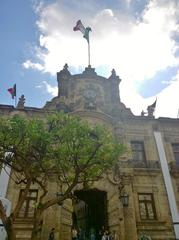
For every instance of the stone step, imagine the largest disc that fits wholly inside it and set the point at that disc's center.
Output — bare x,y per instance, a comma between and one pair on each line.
23,238
23,235
23,228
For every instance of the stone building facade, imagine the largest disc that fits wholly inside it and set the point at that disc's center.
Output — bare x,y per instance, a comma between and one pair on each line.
149,170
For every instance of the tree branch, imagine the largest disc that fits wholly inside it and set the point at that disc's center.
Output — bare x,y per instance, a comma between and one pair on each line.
43,188
22,199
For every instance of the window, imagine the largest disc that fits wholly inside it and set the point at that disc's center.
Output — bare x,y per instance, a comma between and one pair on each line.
146,206
138,151
175,147
28,208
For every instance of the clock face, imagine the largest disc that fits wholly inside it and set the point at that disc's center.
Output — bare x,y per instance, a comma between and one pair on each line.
89,93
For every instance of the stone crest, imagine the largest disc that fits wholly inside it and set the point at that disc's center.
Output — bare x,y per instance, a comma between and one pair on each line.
90,94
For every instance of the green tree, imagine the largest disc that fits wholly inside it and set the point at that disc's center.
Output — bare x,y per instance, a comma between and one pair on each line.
61,149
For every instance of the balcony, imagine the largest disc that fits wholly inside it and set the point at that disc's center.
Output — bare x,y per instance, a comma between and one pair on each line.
140,164
174,168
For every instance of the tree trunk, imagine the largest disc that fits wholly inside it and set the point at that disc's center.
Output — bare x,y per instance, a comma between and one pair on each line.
38,213
37,224
10,229
22,199
7,222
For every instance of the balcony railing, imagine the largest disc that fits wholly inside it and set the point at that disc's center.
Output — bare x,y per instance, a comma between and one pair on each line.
140,164
173,167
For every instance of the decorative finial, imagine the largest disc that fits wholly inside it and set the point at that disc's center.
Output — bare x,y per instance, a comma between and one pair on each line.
143,113
114,76
65,70
151,109
21,102
65,67
113,73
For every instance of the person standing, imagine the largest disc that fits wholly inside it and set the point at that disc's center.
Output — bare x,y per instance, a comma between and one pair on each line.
104,237
81,234
92,234
115,235
52,234
101,232
74,234
107,235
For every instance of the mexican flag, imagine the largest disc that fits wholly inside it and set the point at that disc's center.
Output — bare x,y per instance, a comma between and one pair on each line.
79,26
12,91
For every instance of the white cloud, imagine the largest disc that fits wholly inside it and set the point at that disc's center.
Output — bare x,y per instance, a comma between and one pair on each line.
135,101
137,49
168,100
53,91
28,64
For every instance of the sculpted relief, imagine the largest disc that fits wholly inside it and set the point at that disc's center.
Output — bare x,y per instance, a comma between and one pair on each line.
91,95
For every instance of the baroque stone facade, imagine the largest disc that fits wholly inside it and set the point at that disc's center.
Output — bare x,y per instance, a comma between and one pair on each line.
152,200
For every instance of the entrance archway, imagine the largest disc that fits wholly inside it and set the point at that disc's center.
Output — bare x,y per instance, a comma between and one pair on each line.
90,211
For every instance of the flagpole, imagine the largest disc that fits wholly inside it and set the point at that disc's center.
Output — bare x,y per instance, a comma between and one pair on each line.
15,95
85,31
15,101
89,54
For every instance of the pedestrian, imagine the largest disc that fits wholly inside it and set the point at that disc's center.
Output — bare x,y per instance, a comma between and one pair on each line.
74,234
115,235
92,234
104,237
81,234
108,235
52,234
101,232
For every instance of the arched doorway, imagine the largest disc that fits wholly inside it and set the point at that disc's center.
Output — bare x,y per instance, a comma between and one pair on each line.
90,211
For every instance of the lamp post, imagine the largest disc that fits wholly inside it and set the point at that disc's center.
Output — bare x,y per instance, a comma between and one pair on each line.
124,197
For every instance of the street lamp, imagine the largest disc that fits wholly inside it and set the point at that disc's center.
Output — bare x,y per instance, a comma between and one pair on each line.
124,199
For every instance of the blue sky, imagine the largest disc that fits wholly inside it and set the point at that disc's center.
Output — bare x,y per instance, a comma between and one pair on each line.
20,37
140,38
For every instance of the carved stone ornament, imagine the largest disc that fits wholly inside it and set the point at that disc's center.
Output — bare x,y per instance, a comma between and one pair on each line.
144,236
90,91
21,102
64,73
90,94
114,76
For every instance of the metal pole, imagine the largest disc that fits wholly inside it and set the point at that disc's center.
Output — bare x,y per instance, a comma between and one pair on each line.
89,54
15,101
168,183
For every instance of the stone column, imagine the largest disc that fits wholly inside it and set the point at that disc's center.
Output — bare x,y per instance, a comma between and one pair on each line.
121,222
129,215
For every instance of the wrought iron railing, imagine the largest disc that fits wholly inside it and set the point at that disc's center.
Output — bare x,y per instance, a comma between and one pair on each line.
173,167
140,164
